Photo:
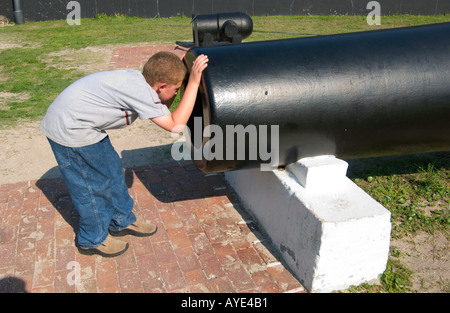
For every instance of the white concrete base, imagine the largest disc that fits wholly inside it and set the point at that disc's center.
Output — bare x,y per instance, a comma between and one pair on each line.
329,231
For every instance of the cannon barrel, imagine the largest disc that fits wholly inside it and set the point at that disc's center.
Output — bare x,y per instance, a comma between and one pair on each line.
361,94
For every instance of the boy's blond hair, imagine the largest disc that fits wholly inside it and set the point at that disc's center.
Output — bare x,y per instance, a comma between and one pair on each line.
165,67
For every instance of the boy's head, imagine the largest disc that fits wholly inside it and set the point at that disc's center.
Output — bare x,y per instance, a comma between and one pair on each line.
164,68
165,72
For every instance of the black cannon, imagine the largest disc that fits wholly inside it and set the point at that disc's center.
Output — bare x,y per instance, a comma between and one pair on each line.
351,95
221,27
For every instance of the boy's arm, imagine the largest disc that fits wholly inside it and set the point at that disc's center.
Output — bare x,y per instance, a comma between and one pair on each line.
176,121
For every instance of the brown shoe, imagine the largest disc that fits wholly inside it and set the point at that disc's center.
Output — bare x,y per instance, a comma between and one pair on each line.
139,229
109,248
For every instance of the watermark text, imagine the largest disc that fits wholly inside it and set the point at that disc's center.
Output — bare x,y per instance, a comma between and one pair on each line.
233,142
374,16
74,16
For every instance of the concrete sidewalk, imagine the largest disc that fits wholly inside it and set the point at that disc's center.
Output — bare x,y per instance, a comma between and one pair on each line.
205,241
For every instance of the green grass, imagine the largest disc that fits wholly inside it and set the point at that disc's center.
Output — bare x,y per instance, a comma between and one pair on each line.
414,189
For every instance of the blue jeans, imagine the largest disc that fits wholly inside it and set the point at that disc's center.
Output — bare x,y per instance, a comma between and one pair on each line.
96,182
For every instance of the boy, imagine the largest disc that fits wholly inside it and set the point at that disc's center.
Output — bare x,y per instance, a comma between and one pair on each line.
75,126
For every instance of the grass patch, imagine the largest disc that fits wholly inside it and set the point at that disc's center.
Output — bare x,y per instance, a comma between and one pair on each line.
415,189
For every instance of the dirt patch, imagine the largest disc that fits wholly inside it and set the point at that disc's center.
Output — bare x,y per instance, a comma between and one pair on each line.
87,60
427,256
11,42
8,97
25,153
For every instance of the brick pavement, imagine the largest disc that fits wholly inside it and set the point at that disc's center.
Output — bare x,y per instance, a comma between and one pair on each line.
136,57
205,241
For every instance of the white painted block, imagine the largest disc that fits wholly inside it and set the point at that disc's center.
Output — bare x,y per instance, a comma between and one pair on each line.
331,238
319,172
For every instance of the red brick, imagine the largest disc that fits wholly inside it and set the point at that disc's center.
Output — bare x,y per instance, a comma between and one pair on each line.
148,267
32,192
45,230
46,213
26,242
30,206
129,281
228,224
28,224
142,245
187,259
171,219
107,279
87,265
201,244
264,251
156,285
127,259
11,217
203,214
183,209
151,215
61,285
64,236
211,266
221,285
195,277
283,277
239,277
87,286
8,234
15,201
44,273
4,195
192,226
214,233
164,253
225,253
7,255
179,238
250,259
43,289
172,277
14,188
162,206
64,255
265,282
201,288
239,241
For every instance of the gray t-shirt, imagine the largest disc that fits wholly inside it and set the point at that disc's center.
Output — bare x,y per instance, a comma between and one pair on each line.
80,115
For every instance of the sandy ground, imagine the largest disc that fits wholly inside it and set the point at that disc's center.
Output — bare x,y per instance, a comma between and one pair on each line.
25,153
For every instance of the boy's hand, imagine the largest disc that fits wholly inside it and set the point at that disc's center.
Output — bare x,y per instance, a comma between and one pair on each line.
199,65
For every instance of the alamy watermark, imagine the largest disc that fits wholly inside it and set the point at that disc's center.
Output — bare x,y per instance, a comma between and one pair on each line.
234,142
74,276
74,16
374,16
